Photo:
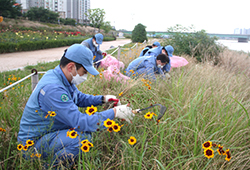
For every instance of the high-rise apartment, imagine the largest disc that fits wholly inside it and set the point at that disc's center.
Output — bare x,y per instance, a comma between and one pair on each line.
74,9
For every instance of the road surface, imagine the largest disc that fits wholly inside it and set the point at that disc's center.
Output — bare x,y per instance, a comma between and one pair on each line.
12,61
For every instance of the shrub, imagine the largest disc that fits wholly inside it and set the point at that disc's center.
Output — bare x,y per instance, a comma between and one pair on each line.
139,33
197,44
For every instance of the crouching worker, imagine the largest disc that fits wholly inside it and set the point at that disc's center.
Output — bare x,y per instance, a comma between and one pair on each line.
51,125
94,45
147,66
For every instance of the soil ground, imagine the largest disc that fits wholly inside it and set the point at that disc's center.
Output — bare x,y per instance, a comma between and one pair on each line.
12,61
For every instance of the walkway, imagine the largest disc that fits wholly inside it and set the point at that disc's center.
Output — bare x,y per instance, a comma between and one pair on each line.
12,61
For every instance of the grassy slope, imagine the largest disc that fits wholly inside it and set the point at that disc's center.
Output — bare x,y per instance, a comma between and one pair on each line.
203,103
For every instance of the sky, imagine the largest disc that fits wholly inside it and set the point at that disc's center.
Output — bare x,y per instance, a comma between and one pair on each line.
213,16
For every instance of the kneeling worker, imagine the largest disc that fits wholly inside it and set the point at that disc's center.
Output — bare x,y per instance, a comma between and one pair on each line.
52,109
147,66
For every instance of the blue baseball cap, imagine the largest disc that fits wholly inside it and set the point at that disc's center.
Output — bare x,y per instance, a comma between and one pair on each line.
81,55
169,50
99,38
156,43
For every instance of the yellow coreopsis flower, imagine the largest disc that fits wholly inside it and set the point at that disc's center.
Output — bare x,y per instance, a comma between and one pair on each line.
19,147
91,110
207,145
132,140
73,134
85,148
148,115
209,153
52,114
116,127
29,142
108,123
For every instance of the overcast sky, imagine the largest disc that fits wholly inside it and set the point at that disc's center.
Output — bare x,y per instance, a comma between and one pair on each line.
214,16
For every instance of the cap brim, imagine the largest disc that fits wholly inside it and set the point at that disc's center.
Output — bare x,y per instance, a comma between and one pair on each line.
91,70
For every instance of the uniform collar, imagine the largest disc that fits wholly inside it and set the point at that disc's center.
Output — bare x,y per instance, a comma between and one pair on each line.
64,79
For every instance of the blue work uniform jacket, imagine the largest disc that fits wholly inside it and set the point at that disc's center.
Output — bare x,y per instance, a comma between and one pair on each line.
55,93
97,53
155,52
145,66
144,51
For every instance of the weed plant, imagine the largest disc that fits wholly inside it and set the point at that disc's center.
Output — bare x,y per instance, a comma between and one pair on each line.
204,103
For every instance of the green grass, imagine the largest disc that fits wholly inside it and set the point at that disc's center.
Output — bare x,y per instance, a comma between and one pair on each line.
203,103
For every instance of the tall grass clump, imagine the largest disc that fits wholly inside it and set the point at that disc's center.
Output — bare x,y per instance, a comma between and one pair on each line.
204,103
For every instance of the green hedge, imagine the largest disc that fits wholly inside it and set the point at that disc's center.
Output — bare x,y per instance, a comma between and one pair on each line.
42,44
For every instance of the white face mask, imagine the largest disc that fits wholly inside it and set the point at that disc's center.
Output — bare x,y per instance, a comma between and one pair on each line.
95,44
78,79
160,66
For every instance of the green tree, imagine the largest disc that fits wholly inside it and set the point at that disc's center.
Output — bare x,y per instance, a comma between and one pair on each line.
9,8
139,33
96,17
106,27
42,15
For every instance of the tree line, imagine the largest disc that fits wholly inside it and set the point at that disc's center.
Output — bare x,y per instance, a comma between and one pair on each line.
11,9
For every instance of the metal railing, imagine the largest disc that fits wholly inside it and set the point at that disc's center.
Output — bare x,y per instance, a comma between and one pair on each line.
34,72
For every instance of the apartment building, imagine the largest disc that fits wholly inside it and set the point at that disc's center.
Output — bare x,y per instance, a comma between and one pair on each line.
74,9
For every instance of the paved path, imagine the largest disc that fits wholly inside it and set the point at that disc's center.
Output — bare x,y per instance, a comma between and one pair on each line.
11,61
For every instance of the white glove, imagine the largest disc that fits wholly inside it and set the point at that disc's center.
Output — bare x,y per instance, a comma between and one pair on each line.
124,112
109,98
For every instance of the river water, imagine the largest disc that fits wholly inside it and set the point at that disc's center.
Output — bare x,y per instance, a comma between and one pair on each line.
235,45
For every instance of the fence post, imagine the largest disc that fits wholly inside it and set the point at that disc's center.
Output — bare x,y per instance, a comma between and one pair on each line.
119,53
34,79
130,53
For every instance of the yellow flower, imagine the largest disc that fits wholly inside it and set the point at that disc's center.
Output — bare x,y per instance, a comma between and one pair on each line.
116,127
91,110
46,116
19,147
72,134
32,155
29,142
120,94
25,148
132,140
52,114
228,155
207,145
94,57
1,19
148,115
38,155
108,123
110,129
85,148
2,130
149,87
209,153
132,71
36,111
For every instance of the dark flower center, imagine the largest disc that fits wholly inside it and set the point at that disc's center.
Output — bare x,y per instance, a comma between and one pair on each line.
131,140
109,123
207,144
91,110
73,133
209,152
85,148
115,127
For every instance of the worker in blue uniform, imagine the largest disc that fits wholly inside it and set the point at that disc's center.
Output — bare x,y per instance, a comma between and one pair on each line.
154,45
147,66
57,93
168,50
94,45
